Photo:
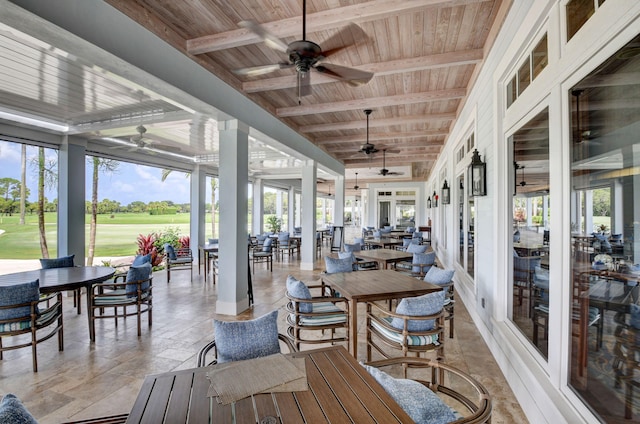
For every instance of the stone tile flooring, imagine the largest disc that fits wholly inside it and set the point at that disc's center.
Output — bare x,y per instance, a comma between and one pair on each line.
104,378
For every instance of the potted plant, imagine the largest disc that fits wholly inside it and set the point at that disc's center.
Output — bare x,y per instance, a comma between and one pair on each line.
274,223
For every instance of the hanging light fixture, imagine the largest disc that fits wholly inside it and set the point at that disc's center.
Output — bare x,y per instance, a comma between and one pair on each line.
429,202
446,193
435,199
478,175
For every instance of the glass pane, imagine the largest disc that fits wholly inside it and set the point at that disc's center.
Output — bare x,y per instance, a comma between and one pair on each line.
530,272
461,219
540,57
512,94
405,214
578,12
524,76
471,218
605,217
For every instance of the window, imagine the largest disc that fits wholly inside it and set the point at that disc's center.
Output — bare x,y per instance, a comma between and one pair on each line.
529,300
578,12
605,169
532,66
465,211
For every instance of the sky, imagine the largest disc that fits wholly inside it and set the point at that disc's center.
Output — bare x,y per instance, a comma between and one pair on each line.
129,183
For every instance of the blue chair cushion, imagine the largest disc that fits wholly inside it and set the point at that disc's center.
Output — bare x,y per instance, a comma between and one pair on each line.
62,262
297,288
439,276
12,411
141,259
170,251
240,340
333,265
16,294
418,401
355,247
427,304
417,248
137,273
425,259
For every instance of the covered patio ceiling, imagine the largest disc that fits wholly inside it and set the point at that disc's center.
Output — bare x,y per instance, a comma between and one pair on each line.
424,56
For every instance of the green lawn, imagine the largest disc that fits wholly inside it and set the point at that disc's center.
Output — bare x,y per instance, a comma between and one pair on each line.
116,234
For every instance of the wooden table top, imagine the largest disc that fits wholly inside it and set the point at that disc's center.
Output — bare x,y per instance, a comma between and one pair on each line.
386,255
383,241
60,279
340,390
365,286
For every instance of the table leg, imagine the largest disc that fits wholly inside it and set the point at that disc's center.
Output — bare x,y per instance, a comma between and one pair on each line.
92,336
206,265
353,328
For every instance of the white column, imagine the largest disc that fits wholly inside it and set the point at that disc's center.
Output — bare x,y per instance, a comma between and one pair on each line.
529,212
617,212
588,211
71,199
576,213
258,207
308,207
545,212
198,203
234,257
291,209
338,207
279,203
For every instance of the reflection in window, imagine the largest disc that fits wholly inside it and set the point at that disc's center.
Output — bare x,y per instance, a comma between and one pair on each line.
578,12
529,303
605,235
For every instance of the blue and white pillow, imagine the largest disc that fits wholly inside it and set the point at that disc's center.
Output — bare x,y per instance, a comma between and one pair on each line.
417,400
12,411
241,340
439,276
428,304
15,295
138,273
297,288
141,260
417,248
333,265
62,262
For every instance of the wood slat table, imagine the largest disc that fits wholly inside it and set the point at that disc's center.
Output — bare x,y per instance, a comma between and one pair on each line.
384,257
384,242
340,390
368,286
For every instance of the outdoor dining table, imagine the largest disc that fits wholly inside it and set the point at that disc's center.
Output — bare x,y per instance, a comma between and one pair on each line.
208,250
339,390
384,257
62,279
384,242
368,286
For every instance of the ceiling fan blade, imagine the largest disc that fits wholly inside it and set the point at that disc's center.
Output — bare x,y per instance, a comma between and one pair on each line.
261,70
352,75
348,36
269,39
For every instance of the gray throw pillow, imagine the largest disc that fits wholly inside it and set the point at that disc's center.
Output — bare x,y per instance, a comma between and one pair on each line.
170,251
297,288
241,340
416,248
417,400
333,265
12,411
137,273
62,262
424,305
141,259
439,276
16,294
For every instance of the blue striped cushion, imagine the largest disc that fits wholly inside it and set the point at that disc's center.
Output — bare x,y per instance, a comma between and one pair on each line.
323,307
397,337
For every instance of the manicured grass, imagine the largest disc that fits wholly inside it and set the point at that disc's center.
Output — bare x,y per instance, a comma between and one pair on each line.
116,234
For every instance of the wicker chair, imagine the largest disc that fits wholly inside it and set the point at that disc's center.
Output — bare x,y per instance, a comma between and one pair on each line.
458,390
408,333
40,318
328,314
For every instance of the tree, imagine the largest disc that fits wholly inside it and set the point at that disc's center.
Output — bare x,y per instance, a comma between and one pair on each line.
47,176
214,187
23,183
107,166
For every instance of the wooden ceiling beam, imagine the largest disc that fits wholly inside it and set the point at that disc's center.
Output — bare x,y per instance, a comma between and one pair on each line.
382,136
466,57
320,21
401,99
374,122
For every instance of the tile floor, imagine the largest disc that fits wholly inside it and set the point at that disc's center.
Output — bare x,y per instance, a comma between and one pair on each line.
104,378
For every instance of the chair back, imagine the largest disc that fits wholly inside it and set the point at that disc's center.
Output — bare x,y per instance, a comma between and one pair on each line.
336,238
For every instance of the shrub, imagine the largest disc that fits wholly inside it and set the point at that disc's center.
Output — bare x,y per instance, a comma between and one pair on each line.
184,241
146,245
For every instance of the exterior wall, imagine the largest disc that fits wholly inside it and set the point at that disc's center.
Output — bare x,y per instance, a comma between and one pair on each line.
540,385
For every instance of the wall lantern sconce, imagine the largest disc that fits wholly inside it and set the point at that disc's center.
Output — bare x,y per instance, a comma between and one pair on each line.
435,199
429,202
446,193
478,175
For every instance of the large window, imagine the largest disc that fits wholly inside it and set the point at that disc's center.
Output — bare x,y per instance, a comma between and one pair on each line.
529,302
465,205
605,234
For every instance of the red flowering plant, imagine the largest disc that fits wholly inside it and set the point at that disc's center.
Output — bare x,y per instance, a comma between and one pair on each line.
146,245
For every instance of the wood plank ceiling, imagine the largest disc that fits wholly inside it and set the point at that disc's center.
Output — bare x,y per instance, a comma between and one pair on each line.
424,56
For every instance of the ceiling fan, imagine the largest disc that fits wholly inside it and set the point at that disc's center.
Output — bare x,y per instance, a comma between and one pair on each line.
356,186
139,139
368,148
384,171
306,55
